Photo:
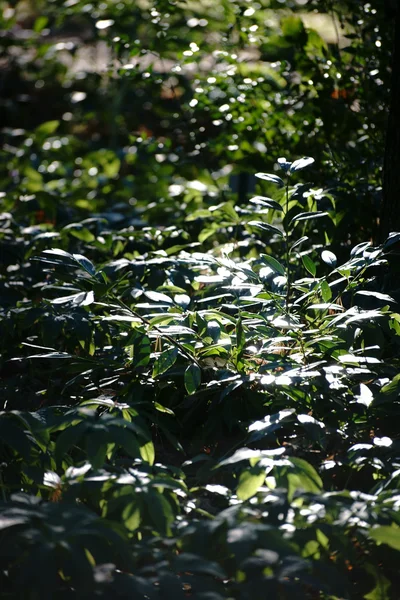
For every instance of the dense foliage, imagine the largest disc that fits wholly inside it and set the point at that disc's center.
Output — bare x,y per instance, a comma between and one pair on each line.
200,347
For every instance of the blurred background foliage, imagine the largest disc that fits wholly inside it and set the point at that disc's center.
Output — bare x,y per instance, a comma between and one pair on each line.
146,96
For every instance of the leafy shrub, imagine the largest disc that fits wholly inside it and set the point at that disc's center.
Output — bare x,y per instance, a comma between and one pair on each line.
200,360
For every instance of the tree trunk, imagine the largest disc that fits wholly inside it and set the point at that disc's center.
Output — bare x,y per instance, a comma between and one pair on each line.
390,215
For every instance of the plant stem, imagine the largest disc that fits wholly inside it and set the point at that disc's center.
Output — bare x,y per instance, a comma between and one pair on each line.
286,227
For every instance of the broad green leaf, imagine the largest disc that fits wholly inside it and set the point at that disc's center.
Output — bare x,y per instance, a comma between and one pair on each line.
82,233
274,264
85,263
129,442
393,387
266,202
325,306
249,483
47,128
378,295
248,454
302,162
329,258
382,589
58,252
309,265
269,424
265,227
147,452
40,23
158,297
386,534
271,177
303,476
165,361
141,349
81,299
192,378
163,409
284,164
68,438
293,28
306,216
160,512
214,330
326,292
131,515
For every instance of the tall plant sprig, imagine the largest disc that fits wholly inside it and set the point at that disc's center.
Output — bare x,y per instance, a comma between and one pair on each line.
289,168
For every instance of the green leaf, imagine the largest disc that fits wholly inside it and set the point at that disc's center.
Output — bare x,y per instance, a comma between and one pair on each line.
385,534
82,234
248,454
298,242
266,202
309,265
326,292
271,177
85,263
158,297
274,264
377,295
265,227
284,164
240,336
165,361
302,163
160,512
68,438
329,258
147,452
192,378
249,482
293,28
306,216
269,424
39,25
47,128
128,440
304,476
132,515
141,349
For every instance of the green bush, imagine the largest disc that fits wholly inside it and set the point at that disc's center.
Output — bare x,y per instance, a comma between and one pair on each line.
200,360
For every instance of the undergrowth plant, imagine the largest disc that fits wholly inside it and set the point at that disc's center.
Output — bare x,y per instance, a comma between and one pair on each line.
206,417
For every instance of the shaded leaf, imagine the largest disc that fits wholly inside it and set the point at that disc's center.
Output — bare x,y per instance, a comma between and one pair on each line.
192,378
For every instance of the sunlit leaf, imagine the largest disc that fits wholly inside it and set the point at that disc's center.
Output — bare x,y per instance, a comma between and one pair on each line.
165,361
309,264
329,258
265,227
249,483
306,216
302,163
271,177
386,534
266,202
